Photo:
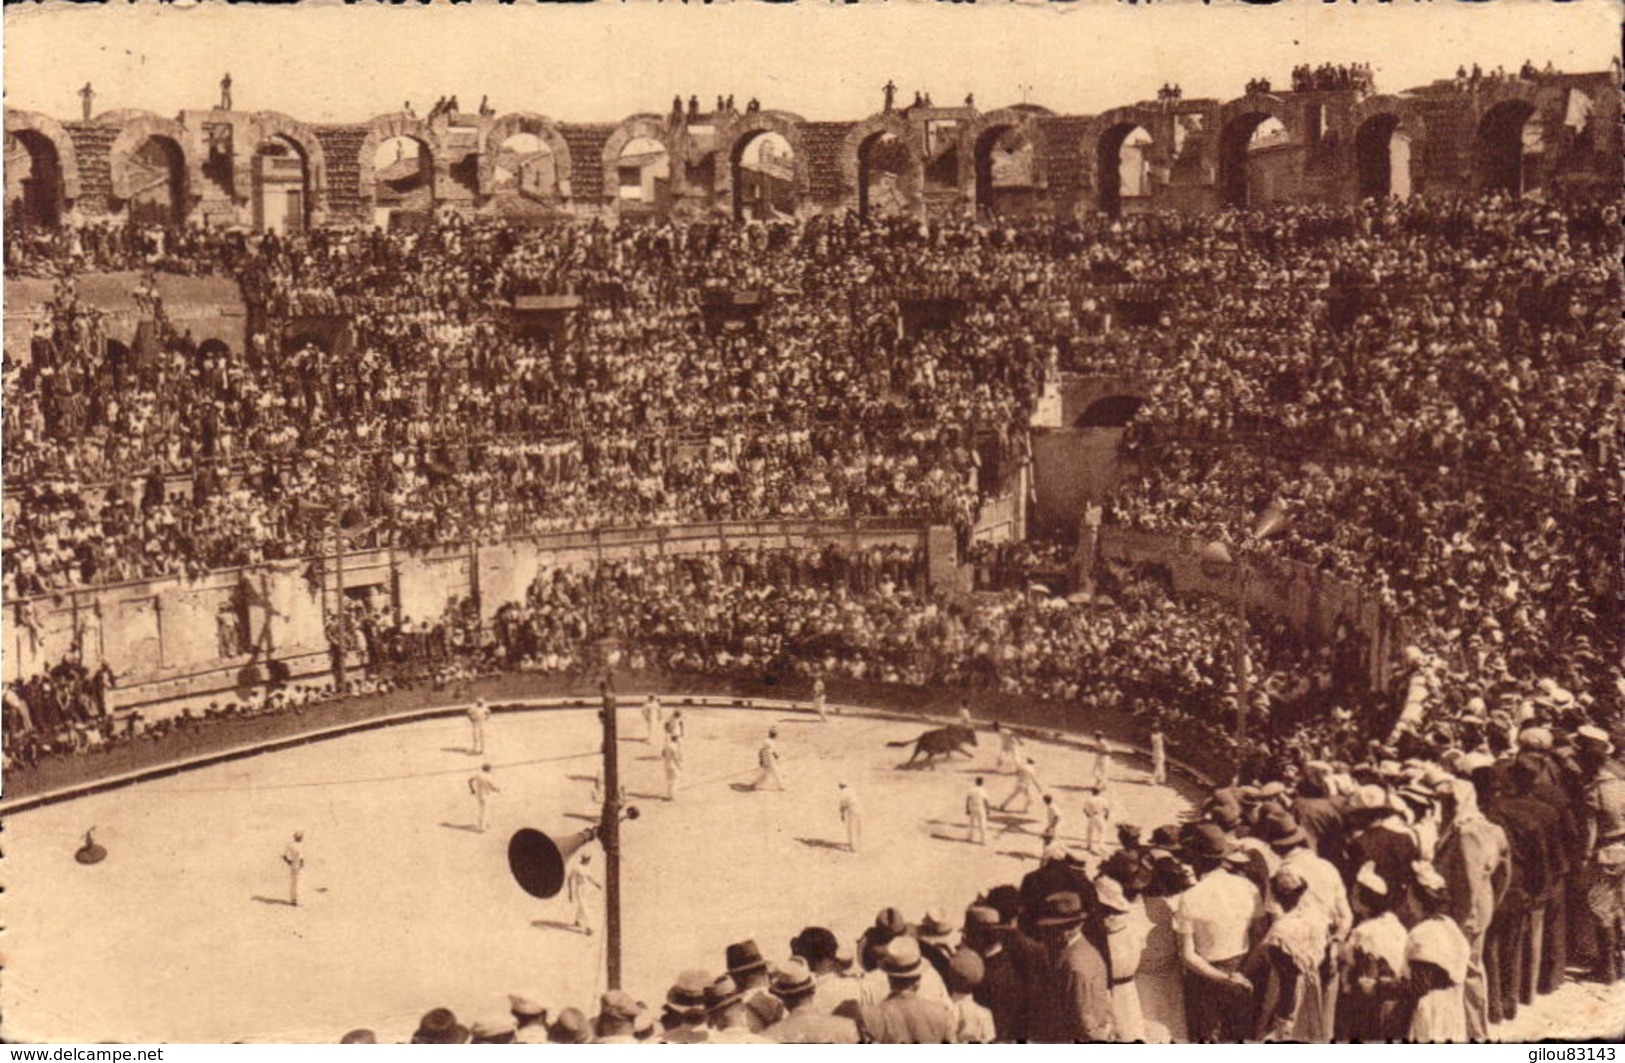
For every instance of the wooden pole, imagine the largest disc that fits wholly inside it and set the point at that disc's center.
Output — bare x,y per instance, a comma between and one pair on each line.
609,832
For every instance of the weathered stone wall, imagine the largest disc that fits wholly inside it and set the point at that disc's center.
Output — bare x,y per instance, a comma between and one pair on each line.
1196,153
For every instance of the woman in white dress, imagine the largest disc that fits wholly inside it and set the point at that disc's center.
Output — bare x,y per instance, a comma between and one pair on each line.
1161,979
1126,927
1436,956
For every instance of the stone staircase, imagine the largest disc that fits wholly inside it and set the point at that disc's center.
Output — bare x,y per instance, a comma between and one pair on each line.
822,142
346,199
587,160
1063,163
93,144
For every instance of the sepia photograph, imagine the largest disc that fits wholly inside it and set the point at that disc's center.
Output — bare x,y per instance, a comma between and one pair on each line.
813,523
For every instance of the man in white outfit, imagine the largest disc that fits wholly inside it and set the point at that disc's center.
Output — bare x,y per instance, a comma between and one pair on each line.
1097,817
1102,760
478,713
576,884
671,758
1009,748
818,700
852,817
1027,785
651,718
482,787
294,857
977,806
1159,757
767,759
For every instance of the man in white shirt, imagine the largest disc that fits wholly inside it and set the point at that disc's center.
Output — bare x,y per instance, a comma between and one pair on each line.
977,805
1217,921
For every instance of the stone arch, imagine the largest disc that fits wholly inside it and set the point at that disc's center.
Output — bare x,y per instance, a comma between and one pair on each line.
269,124
853,158
386,127
136,130
733,139
1382,116
1102,142
1238,121
536,125
976,140
67,159
1500,163
639,127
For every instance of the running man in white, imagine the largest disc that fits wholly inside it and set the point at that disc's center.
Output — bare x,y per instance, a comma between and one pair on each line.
767,758
478,713
1102,759
852,817
1027,785
482,787
651,718
977,806
1159,757
672,759
818,699
294,857
1097,812
676,727
1009,748
576,884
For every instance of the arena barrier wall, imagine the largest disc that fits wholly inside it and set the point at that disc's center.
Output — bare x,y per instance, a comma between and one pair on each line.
173,637
876,702
1308,599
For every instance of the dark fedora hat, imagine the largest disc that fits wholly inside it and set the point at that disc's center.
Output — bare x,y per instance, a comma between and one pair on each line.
1061,909
745,956
1209,840
439,1027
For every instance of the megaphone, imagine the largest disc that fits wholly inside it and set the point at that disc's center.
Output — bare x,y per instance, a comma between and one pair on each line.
538,862
1272,520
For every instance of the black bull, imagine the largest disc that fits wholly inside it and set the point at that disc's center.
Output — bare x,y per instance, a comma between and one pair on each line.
939,743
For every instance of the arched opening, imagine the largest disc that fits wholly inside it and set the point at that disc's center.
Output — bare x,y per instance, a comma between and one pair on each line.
884,165
643,174
403,178
281,187
764,177
1382,149
1247,146
1005,169
157,174
33,180
1111,411
1123,166
525,166
1511,139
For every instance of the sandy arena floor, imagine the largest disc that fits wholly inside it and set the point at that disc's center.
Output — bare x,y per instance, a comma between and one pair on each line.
183,933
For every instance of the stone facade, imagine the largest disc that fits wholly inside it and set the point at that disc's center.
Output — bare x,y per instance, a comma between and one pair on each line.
224,168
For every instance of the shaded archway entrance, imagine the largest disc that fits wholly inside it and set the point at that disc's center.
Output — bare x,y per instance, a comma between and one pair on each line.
885,171
1510,141
34,192
764,177
281,186
1006,168
1382,149
1110,411
1243,139
157,182
643,175
403,178
1122,166
525,166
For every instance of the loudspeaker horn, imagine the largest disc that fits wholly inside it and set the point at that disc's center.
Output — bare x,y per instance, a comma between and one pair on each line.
538,862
